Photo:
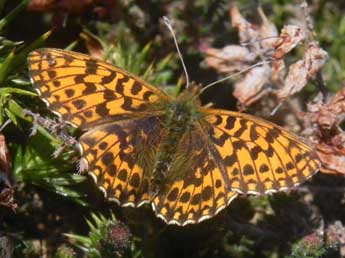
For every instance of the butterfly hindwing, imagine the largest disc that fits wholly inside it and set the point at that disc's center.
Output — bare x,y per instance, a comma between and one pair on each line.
257,156
199,191
86,91
120,157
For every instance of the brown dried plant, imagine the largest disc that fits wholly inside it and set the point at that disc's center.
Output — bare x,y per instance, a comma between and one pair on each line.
260,43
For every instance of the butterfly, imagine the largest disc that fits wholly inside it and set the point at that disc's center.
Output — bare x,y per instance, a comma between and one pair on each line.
143,146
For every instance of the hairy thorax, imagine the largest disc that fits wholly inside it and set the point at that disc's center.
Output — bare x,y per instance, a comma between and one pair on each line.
181,115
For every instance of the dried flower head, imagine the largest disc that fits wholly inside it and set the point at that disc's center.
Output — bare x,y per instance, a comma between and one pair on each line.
323,129
261,42
117,238
303,71
6,179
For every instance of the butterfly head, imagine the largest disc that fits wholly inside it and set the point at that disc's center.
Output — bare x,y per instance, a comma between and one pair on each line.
184,108
191,92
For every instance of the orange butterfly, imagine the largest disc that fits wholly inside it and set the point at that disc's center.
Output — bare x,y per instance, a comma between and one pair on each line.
142,146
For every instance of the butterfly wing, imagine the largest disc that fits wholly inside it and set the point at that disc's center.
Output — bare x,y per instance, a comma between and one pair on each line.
115,109
256,156
197,190
88,92
120,157
230,153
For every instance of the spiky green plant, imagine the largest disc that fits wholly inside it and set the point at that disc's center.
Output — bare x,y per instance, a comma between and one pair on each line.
107,238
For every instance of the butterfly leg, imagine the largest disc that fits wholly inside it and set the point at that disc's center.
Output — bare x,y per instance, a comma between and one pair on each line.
57,128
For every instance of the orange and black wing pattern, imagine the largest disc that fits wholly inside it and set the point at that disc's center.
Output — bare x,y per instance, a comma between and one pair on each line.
112,105
220,155
226,154
120,156
86,91
199,190
256,156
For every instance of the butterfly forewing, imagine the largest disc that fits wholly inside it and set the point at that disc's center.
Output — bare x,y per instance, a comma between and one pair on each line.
256,156
87,91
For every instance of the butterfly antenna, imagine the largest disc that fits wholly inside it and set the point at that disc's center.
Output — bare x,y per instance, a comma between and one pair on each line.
168,24
233,75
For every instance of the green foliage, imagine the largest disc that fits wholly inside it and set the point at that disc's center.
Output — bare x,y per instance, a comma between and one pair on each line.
243,249
107,238
13,14
64,252
34,164
10,59
27,249
133,57
308,248
331,33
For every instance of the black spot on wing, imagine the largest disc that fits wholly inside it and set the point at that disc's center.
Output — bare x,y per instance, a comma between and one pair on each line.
107,158
51,74
254,152
89,88
172,196
242,129
147,95
69,93
91,66
253,134
185,197
122,175
248,170
79,103
207,193
102,110
230,160
135,180
79,79
136,88
109,78
109,95
264,168
230,122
